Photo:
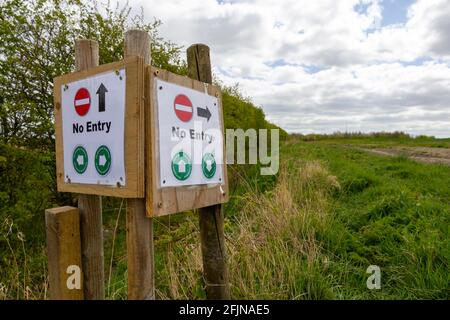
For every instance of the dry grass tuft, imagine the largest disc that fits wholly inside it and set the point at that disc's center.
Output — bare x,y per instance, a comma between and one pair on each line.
272,249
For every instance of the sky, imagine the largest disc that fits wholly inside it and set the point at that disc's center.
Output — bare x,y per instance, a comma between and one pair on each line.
324,66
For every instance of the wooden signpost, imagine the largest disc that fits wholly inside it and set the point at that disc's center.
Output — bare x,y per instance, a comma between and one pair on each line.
141,279
63,241
211,218
89,205
127,129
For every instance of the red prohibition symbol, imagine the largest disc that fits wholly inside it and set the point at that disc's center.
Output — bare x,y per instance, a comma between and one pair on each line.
82,101
183,108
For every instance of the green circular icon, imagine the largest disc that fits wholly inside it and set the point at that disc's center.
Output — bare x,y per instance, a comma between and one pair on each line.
80,159
102,160
181,166
209,165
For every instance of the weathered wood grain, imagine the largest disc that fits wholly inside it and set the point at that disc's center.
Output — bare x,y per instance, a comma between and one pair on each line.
210,218
90,206
64,250
141,281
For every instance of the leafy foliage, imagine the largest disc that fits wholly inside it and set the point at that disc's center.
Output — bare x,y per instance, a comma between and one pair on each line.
37,45
27,189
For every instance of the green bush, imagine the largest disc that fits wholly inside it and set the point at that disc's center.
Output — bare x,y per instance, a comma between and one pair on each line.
37,43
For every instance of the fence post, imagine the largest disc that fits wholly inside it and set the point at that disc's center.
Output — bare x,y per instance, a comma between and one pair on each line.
139,227
210,218
64,253
90,206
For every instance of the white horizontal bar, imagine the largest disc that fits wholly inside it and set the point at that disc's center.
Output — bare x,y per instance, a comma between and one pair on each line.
80,102
183,108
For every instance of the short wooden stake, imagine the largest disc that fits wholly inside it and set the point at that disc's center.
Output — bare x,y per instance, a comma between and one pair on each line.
90,206
141,280
64,253
211,218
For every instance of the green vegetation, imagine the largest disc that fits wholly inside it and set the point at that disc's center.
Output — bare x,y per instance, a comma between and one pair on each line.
313,231
308,233
37,45
375,140
391,212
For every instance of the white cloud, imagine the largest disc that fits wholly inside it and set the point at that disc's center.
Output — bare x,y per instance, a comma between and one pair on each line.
367,77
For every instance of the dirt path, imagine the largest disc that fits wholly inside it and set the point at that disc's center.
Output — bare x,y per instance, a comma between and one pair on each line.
421,154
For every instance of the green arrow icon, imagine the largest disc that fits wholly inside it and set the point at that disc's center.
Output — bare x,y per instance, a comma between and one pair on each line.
181,166
80,159
102,160
208,165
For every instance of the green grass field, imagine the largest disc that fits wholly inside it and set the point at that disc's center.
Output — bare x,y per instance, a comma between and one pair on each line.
308,233
311,232
391,212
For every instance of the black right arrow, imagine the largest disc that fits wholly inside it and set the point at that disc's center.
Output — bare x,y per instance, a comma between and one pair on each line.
101,97
204,113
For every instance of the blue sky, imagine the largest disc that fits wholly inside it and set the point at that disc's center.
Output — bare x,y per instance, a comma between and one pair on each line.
326,65
395,11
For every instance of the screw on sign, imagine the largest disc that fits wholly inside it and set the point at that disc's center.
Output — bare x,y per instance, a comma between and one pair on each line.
82,101
183,108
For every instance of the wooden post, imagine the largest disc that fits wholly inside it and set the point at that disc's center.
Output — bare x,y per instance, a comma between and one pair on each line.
141,281
64,253
90,206
211,218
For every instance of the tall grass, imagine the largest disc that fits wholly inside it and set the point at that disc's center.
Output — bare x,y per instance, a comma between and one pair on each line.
304,234
272,245
24,273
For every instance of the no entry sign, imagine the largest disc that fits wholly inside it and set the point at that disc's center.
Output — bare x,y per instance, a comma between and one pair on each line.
93,129
187,168
183,107
190,136
82,101
99,130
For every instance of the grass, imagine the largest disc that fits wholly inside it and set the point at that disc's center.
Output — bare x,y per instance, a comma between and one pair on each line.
272,249
332,213
308,233
376,139
391,212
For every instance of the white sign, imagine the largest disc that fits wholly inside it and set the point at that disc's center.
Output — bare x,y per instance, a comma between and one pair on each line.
190,136
93,124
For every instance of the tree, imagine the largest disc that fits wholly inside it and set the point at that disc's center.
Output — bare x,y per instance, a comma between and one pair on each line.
37,45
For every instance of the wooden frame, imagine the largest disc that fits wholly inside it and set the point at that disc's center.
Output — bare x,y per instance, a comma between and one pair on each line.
168,200
134,131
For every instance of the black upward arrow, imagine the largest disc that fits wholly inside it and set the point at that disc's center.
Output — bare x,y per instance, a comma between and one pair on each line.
204,113
101,97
